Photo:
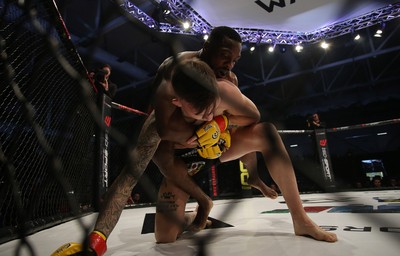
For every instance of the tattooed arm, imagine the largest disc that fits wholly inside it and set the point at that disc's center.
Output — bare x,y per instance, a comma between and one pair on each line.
121,188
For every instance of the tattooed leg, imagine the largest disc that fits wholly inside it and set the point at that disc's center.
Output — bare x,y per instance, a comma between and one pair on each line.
170,219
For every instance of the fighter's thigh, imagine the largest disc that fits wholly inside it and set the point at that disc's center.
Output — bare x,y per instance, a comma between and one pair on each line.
170,212
243,140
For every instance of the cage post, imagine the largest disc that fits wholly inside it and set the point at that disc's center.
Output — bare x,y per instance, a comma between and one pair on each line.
325,159
101,172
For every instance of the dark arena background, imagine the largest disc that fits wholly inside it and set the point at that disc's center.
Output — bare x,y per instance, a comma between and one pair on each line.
62,142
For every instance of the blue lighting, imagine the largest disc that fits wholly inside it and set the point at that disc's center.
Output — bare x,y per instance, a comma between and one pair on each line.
200,26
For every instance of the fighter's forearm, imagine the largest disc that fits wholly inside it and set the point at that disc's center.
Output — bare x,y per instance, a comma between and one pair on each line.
240,110
174,169
238,121
121,189
186,183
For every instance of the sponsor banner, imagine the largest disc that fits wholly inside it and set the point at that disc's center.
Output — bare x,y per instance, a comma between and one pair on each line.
104,146
244,176
324,157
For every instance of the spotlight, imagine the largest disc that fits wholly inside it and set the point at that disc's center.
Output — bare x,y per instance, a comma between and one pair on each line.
271,48
357,37
324,45
252,48
205,37
186,25
299,48
378,33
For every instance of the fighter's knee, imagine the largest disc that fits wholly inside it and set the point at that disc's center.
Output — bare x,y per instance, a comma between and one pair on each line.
165,233
269,127
165,239
270,135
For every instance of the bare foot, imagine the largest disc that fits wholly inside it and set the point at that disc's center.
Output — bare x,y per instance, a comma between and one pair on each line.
264,189
189,218
208,224
309,228
201,219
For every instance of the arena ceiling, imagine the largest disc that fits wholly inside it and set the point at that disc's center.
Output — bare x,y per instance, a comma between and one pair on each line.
283,83
284,15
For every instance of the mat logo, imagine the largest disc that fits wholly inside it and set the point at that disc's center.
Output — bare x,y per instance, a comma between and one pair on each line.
360,208
363,229
325,200
270,7
387,199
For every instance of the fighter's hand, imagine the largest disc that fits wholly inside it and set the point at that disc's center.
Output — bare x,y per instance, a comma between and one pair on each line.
97,244
212,152
225,140
217,149
71,249
201,220
208,134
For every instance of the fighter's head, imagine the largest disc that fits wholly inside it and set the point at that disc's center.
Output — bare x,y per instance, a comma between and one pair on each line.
196,89
222,50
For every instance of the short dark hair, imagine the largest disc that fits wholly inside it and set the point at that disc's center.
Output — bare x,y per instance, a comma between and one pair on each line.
100,67
219,33
194,81
106,66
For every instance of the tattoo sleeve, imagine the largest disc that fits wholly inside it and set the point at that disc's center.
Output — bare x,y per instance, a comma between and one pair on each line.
119,192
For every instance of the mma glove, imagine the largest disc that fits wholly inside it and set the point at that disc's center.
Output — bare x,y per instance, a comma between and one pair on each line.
208,134
97,244
218,148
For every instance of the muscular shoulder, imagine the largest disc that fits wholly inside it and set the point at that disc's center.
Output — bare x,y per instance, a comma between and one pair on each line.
187,55
166,67
229,93
233,78
226,86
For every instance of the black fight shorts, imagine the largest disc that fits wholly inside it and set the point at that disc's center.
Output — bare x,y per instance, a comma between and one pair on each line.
194,162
